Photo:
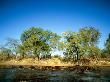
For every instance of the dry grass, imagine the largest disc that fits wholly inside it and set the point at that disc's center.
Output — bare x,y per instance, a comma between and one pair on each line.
52,62
31,61
100,63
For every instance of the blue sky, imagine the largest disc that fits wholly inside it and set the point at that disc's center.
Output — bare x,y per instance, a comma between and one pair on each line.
55,15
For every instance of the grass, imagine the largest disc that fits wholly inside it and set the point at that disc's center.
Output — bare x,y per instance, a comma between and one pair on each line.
31,61
54,62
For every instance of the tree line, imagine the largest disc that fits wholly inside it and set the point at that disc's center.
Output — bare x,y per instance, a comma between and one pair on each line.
39,43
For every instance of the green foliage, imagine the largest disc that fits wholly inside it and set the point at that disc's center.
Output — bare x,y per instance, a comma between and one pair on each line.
106,50
82,43
39,41
56,56
4,53
73,44
104,53
89,39
89,36
107,45
95,52
21,50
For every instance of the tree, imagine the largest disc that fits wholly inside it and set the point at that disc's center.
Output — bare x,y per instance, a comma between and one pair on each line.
82,43
107,46
39,41
73,44
89,35
21,50
12,44
5,53
89,39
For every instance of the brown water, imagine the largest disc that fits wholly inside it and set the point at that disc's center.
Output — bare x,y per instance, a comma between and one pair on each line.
102,74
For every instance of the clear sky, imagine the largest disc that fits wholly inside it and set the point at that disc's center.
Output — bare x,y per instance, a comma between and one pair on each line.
55,15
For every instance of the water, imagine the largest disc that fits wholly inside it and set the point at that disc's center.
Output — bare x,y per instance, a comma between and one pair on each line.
66,75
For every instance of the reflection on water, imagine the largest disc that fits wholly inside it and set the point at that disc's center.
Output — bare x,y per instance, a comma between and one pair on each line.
32,75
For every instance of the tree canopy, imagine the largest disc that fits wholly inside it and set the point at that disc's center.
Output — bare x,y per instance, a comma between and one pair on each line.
82,43
39,41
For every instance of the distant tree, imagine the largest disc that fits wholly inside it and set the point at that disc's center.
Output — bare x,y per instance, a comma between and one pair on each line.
57,56
12,44
107,45
39,41
5,53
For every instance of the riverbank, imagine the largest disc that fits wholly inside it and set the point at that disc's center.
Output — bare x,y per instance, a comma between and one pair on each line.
54,70
54,62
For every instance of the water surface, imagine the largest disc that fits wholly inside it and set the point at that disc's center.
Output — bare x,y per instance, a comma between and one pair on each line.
102,74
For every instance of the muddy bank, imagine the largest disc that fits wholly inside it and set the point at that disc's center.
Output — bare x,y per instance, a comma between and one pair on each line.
35,67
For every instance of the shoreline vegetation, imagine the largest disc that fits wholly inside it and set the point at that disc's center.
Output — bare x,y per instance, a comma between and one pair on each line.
37,47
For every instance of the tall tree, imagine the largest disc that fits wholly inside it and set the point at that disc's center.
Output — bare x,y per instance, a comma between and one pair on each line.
89,39
39,41
73,44
82,43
